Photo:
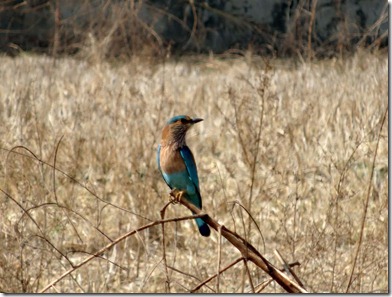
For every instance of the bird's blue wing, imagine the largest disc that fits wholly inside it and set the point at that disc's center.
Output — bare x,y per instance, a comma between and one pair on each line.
159,165
191,168
190,165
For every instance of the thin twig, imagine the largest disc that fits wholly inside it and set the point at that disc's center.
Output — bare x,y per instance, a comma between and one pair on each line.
54,169
215,275
249,276
219,259
55,188
287,268
189,275
149,273
110,245
310,28
260,287
342,178
263,285
253,220
35,157
163,210
362,230
36,224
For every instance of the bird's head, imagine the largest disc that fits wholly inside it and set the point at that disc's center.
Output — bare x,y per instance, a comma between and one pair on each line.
183,120
175,130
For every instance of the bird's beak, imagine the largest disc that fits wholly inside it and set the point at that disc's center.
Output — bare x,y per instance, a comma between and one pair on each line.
196,120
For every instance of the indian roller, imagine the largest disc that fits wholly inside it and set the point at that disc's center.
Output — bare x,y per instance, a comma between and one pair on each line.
177,164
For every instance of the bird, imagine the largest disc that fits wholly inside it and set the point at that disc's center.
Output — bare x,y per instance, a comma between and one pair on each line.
177,164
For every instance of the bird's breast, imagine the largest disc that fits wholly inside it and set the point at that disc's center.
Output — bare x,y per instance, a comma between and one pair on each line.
171,160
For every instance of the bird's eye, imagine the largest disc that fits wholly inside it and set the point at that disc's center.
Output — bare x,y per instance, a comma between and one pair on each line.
183,121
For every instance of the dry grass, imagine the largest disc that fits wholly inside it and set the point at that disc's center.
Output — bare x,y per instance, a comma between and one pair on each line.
304,180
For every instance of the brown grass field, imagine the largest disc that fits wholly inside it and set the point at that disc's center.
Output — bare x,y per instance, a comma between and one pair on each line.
293,156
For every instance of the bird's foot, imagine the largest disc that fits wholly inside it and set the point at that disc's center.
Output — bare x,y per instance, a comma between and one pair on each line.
175,195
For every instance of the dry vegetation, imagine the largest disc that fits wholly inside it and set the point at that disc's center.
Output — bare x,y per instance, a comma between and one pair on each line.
290,144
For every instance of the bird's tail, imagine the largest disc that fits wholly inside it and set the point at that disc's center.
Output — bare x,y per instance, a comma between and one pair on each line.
203,227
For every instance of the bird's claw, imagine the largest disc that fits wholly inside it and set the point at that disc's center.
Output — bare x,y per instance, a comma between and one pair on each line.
175,195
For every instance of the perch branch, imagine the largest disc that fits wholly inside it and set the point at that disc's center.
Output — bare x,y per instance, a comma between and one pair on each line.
247,250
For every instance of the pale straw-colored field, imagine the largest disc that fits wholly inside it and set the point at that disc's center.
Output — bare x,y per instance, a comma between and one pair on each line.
291,144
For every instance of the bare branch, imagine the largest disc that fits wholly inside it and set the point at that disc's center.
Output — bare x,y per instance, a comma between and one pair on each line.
247,250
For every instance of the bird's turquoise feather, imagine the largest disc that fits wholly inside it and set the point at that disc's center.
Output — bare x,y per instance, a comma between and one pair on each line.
190,164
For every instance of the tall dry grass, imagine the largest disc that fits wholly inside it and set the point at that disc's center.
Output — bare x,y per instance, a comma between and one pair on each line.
285,156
